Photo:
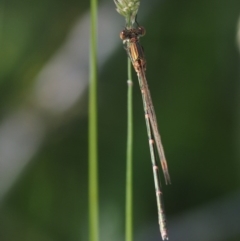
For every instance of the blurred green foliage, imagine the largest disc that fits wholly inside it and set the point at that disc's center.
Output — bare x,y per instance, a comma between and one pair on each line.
193,74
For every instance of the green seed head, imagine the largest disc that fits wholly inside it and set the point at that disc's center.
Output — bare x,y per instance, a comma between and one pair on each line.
129,9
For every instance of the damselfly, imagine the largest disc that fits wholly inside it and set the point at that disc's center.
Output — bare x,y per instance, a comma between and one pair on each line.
130,39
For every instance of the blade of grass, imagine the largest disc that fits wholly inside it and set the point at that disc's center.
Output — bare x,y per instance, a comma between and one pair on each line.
93,151
129,175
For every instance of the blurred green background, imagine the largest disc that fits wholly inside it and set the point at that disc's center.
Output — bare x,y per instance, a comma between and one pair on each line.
192,52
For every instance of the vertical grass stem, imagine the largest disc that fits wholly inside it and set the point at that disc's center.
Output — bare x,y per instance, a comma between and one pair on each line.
93,150
129,175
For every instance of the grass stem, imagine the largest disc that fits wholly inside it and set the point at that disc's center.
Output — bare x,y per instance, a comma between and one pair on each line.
93,150
129,175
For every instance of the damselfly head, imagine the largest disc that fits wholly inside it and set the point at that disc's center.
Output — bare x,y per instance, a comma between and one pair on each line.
141,31
123,35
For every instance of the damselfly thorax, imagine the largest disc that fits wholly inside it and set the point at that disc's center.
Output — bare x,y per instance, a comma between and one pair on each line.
130,39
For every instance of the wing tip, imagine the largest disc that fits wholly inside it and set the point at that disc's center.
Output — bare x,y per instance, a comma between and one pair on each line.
167,178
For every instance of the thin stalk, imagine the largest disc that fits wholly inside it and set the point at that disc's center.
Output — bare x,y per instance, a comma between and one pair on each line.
129,176
93,152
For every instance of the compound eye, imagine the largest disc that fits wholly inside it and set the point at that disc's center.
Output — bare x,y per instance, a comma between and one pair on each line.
123,35
142,30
